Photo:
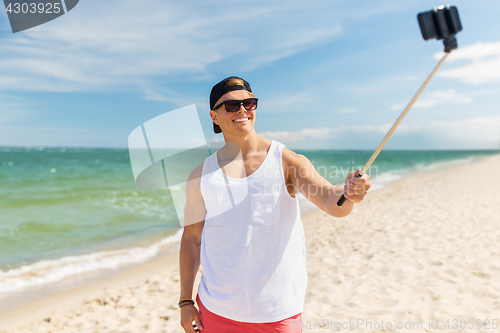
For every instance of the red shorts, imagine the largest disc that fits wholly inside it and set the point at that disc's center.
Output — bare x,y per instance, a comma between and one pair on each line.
213,323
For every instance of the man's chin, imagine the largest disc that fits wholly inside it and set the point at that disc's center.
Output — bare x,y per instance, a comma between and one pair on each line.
240,131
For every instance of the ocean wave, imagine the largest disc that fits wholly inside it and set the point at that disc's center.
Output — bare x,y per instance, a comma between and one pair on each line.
137,203
378,183
49,271
385,178
441,164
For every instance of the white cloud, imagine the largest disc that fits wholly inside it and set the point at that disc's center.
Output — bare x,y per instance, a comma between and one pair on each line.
286,102
405,78
433,98
304,134
168,95
483,66
286,46
377,85
400,106
476,51
119,45
112,44
324,132
347,110
472,133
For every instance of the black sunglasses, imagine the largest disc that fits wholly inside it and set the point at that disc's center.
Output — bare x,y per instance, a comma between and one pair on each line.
233,105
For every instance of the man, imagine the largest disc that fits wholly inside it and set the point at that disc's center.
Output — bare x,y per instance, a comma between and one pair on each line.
242,224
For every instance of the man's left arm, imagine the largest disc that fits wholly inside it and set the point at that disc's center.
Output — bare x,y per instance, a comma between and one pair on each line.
320,191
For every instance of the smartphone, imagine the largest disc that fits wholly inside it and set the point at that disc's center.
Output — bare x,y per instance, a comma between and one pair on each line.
440,22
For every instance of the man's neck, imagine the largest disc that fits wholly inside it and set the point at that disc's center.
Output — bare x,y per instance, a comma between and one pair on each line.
247,144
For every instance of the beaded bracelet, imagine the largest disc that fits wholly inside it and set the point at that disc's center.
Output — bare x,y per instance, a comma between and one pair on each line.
184,303
185,299
182,300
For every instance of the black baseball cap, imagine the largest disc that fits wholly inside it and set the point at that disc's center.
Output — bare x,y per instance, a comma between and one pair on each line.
220,89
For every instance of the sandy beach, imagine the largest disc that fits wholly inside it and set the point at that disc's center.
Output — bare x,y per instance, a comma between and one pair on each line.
420,255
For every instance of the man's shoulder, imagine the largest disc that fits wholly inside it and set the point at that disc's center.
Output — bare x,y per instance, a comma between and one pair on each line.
193,182
291,158
196,173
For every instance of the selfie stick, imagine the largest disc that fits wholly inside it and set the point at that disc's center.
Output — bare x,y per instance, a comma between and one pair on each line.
393,128
450,43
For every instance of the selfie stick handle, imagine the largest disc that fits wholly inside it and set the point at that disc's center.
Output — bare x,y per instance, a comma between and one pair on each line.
396,124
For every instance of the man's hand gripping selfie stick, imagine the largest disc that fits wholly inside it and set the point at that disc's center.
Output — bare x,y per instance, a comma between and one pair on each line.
440,23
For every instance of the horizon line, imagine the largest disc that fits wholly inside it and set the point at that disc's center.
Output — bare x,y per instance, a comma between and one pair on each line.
325,149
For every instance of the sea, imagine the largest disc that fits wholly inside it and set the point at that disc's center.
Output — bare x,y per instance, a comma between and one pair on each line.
71,211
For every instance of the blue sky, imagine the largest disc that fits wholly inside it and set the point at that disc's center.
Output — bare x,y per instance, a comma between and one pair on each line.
328,74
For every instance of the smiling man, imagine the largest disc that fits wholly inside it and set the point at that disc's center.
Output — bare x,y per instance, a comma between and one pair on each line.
242,224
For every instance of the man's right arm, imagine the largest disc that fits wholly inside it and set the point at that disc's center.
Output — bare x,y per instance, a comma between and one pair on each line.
189,257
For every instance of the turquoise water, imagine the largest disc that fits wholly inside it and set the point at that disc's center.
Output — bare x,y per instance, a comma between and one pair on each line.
60,201
336,164
56,202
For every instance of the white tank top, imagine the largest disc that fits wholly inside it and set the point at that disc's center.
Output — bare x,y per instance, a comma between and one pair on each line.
253,252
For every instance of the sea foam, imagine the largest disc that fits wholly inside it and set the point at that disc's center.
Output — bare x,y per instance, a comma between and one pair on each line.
49,271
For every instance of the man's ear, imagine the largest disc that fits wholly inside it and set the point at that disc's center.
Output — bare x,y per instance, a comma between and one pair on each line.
213,115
